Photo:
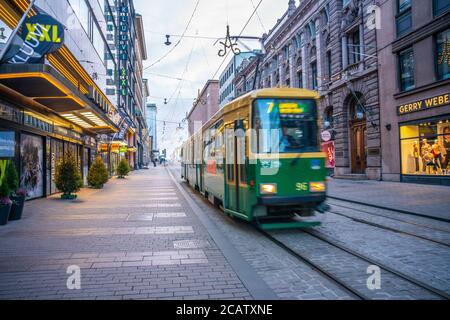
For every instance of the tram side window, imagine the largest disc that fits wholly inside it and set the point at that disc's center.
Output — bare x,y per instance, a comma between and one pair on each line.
242,150
230,153
242,166
219,147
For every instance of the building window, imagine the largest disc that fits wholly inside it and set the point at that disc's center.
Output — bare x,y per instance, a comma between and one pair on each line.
406,63
314,75
440,6
422,147
81,10
329,65
312,30
443,55
328,118
404,17
300,79
354,47
286,52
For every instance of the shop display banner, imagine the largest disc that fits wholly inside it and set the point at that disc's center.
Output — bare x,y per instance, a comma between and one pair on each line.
7,144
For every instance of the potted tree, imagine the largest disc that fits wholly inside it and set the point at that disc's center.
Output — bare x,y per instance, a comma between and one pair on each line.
68,177
5,202
17,195
98,174
123,169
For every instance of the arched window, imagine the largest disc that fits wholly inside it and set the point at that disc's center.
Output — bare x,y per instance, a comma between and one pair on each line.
313,52
328,118
326,14
356,108
312,30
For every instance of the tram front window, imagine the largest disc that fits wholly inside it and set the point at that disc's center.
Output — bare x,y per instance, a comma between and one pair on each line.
284,126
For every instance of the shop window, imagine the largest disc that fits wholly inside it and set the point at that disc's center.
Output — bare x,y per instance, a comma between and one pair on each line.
440,6
404,17
443,55
425,148
406,64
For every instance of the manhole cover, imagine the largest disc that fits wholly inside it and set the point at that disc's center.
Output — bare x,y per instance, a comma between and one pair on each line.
190,244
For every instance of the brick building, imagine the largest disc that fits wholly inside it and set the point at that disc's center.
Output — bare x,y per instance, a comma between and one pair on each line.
205,106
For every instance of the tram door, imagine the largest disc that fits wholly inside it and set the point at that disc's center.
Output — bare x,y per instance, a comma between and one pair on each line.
235,158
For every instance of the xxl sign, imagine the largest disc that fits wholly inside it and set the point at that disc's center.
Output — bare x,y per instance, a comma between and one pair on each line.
437,101
37,36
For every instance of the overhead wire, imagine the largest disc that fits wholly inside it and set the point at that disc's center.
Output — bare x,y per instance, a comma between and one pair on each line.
179,41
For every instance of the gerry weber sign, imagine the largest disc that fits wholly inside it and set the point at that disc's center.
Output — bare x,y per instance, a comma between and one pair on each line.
438,101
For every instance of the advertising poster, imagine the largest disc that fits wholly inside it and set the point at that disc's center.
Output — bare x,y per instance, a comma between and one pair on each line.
7,144
328,149
32,153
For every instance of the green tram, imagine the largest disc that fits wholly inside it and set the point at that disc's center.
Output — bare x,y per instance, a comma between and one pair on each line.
259,159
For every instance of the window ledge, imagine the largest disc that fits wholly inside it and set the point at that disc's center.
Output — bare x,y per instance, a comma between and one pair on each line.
422,88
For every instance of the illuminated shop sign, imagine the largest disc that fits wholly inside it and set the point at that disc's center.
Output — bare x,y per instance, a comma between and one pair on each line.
123,48
36,36
425,104
329,150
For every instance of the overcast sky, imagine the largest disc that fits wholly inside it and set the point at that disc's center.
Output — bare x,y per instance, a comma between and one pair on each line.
194,60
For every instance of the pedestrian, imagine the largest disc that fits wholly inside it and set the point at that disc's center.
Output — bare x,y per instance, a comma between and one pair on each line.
153,160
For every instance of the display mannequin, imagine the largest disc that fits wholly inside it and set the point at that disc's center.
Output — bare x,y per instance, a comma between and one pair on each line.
436,151
427,157
446,149
416,156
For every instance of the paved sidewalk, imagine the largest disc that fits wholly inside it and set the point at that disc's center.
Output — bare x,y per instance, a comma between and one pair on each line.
136,239
423,199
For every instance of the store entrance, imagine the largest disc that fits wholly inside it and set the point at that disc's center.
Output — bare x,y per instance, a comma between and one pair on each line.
358,132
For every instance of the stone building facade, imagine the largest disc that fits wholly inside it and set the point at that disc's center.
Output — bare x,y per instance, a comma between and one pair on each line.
415,91
330,46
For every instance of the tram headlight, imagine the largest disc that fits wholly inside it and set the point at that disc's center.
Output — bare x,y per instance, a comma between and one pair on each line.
317,187
268,188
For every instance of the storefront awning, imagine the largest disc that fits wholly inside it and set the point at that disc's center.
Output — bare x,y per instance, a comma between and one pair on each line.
43,84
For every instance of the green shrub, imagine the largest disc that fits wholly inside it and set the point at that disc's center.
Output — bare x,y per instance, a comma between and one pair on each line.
11,176
68,176
5,192
98,174
123,169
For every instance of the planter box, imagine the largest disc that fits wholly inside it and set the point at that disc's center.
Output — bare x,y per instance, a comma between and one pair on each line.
4,214
69,196
17,208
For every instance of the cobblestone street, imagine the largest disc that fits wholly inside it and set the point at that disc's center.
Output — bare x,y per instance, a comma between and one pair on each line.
167,242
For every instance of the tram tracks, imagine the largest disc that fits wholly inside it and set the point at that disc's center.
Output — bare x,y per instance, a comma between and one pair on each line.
391,209
337,275
396,230
422,227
